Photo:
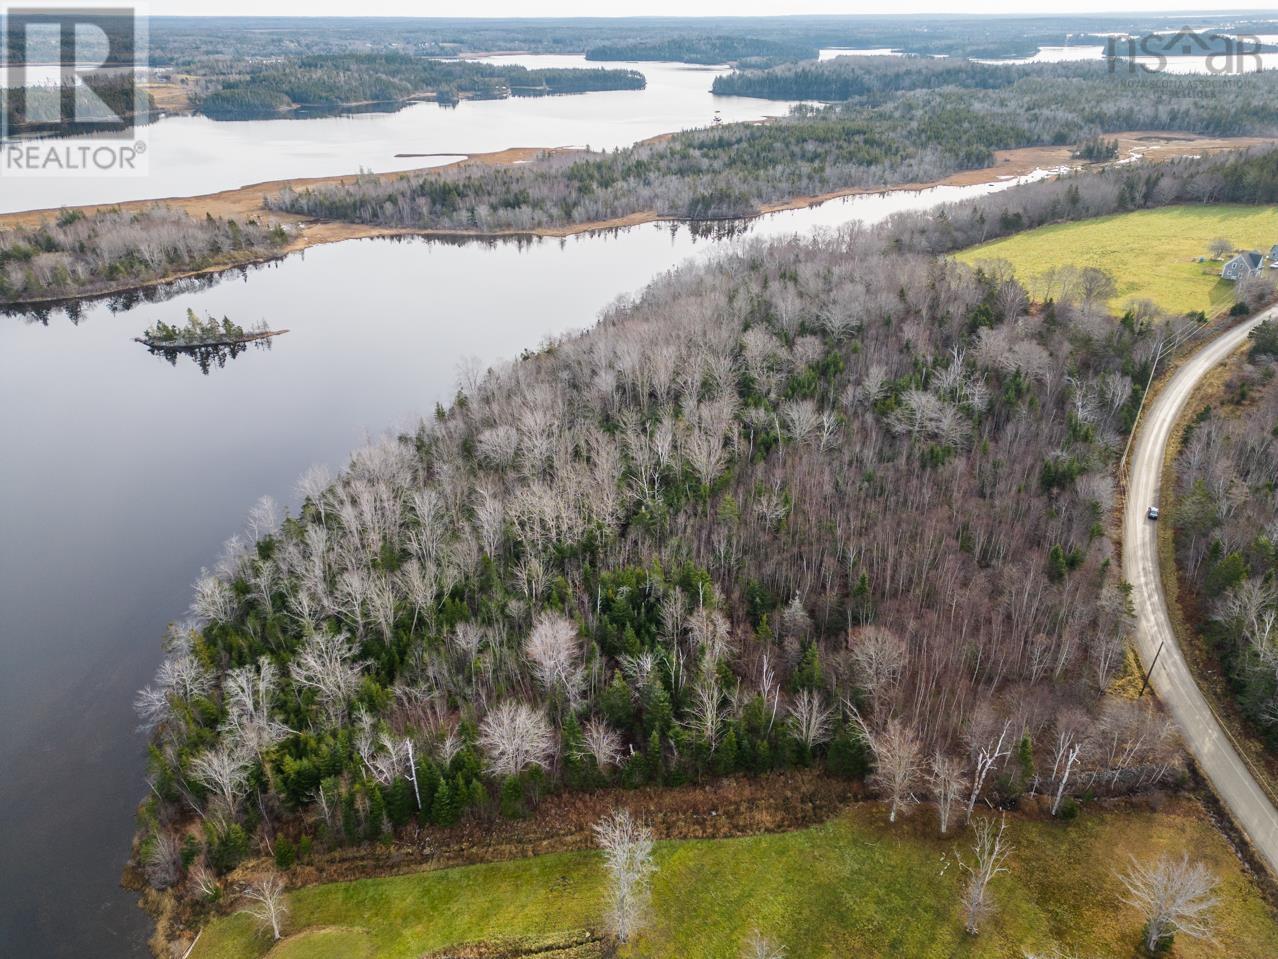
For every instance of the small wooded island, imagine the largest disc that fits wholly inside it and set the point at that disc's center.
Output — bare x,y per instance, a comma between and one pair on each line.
200,334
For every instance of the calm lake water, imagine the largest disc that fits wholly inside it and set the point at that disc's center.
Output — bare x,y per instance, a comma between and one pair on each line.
193,155
123,475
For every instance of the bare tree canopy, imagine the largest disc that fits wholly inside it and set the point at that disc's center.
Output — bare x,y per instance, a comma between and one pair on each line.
268,903
990,850
1174,896
627,848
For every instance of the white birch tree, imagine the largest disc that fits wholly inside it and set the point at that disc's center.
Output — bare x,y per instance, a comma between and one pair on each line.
627,847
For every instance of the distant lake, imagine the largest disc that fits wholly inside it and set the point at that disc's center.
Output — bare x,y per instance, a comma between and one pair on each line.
1248,63
833,52
1083,52
190,155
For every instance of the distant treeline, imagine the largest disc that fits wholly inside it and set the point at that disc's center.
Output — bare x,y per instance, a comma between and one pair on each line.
119,95
1246,176
191,44
856,78
325,81
732,171
744,51
845,78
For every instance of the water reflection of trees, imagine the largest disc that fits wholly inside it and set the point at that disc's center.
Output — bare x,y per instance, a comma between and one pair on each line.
207,357
311,112
76,310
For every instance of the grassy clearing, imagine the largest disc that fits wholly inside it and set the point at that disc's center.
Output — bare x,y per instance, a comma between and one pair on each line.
325,944
852,887
1150,253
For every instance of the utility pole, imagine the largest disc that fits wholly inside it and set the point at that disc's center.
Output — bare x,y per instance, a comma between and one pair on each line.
1145,685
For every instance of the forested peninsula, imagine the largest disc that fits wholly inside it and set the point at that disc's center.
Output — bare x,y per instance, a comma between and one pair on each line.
250,89
75,253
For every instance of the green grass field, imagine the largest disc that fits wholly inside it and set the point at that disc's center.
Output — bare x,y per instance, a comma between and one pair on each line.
851,888
1150,253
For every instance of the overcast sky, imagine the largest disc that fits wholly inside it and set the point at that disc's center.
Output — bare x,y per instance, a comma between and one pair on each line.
594,8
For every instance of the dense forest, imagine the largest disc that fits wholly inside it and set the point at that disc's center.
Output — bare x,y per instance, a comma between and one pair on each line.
730,171
847,78
79,254
1082,87
661,550
742,51
1226,529
333,81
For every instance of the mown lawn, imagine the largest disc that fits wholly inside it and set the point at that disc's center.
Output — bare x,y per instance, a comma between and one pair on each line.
1150,253
851,888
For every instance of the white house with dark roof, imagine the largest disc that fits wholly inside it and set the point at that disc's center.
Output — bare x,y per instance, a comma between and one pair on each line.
1243,265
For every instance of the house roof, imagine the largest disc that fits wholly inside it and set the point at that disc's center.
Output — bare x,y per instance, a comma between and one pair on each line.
1251,258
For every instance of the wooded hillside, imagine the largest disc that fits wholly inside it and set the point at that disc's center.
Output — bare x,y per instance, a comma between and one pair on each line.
816,502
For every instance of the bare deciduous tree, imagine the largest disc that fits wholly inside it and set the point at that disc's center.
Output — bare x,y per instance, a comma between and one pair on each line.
162,860
249,695
224,771
1173,895
627,847
213,601
879,657
515,736
947,782
181,676
987,751
327,665
1071,742
554,649
897,766
268,903
810,719
795,620
990,851
705,716
602,742
759,946
263,519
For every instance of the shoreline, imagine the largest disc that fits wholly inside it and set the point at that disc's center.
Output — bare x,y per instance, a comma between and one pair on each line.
305,232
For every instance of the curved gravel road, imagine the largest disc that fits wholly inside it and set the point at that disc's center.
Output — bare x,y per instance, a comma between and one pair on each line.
1226,770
